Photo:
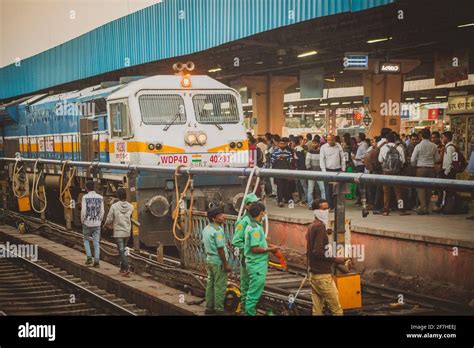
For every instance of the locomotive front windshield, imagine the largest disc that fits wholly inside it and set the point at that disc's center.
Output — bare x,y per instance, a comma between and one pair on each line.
216,108
161,109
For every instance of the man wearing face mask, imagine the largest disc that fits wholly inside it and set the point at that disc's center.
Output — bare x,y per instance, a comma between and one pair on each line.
323,287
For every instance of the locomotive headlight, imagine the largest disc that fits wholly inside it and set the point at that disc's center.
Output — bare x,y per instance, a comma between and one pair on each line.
239,145
151,147
158,146
202,138
232,145
191,139
186,81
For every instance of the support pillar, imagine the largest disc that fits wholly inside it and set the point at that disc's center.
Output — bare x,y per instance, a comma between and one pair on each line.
267,101
385,95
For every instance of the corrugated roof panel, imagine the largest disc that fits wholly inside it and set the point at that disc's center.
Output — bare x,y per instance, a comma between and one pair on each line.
165,30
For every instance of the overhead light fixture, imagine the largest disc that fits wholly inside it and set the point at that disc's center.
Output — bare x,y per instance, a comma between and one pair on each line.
423,98
259,63
341,72
440,97
466,25
379,40
215,70
358,102
346,103
323,104
409,98
336,103
307,54
330,80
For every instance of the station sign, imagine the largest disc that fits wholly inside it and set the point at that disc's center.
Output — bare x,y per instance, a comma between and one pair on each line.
367,120
356,61
390,68
461,104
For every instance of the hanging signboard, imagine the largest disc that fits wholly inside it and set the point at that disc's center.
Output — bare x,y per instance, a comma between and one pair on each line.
356,61
451,67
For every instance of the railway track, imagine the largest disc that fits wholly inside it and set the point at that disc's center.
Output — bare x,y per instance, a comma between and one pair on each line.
280,286
38,288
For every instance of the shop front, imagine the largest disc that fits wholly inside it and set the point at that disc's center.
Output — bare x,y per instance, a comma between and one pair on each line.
461,114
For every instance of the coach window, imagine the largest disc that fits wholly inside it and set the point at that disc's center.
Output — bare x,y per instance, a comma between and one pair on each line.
120,121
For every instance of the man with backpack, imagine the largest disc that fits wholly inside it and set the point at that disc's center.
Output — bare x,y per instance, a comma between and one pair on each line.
392,158
453,163
372,164
424,158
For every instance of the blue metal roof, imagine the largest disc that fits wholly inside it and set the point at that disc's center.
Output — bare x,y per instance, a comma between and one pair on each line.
165,30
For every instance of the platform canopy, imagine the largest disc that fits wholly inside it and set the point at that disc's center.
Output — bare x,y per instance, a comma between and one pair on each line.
171,28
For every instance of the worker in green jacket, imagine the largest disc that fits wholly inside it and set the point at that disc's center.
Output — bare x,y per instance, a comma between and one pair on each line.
216,262
256,257
238,243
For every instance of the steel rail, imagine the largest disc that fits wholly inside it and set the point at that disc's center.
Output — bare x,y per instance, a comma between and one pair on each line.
358,178
66,283
277,298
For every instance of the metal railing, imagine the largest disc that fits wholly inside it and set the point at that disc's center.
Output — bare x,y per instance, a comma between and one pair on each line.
355,178
194,256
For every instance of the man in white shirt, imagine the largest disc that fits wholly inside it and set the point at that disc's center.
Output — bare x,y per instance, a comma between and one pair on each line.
392,158
332,160
424,158
447,172
359,160
92,213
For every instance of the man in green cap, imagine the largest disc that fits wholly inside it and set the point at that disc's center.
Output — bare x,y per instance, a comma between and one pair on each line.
216,262
256,257
238,243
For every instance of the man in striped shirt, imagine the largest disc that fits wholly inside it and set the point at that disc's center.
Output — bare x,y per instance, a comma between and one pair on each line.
281,159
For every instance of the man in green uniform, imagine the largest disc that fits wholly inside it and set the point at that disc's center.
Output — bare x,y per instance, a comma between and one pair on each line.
238,243
256,257
216,262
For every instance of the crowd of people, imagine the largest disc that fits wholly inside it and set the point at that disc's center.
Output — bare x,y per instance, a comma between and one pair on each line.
424,154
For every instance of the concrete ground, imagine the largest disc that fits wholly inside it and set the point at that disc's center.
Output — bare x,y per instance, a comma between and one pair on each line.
438,228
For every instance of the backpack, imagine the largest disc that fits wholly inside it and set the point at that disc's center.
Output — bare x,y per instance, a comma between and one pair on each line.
371,160
459,161
392,164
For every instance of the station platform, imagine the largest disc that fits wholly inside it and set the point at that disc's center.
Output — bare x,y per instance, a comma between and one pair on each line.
137,289
453,230
429,249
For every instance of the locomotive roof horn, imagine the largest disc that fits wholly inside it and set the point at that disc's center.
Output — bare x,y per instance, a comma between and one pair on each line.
182,68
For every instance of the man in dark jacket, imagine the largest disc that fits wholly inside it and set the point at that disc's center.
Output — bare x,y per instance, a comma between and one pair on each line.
281,159
300,163
323,287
